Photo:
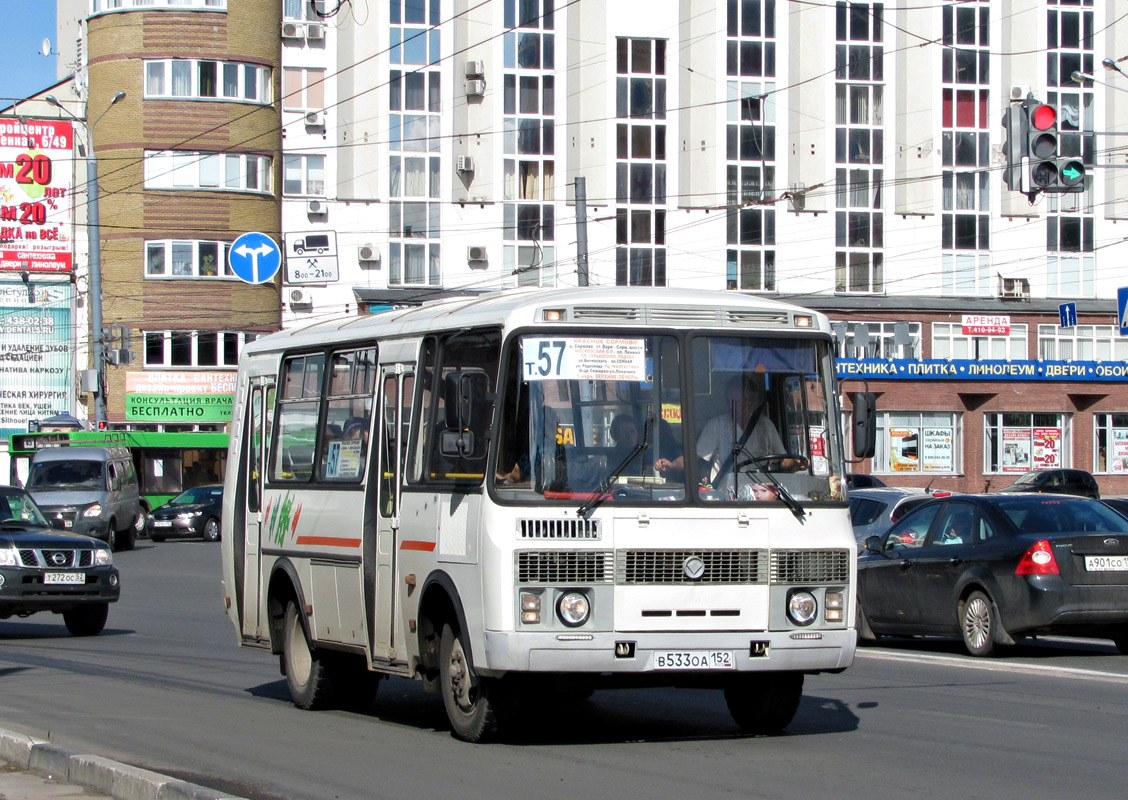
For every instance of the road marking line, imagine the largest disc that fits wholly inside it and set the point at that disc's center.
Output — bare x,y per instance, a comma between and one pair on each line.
996,666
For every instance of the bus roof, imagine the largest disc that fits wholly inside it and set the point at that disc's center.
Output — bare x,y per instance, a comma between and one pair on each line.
597,306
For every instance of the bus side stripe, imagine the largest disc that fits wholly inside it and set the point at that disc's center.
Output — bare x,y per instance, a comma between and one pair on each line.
328,541
411,544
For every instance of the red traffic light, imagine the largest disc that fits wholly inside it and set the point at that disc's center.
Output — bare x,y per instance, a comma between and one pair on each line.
1043,117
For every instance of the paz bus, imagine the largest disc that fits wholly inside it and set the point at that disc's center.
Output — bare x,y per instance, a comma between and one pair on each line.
167,462
437,493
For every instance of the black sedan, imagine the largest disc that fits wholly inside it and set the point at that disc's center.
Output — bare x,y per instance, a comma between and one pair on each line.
44,569
1058,481
992,567
192,513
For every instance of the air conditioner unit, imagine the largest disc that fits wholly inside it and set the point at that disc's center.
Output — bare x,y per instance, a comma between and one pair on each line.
474,88
315,119
315,32
300,297
475,253
293,30
464,163
367,252
1019,91
475,68
316,207
1014,288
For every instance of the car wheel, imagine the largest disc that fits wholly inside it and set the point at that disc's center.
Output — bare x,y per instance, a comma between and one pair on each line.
211,530
88,620
112,538
307,669
140,524
471,703
978,624
765,703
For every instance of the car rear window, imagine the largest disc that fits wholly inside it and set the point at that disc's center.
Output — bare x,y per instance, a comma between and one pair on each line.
866,511
1049,515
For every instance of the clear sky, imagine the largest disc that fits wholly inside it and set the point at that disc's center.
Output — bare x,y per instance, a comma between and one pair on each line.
23,71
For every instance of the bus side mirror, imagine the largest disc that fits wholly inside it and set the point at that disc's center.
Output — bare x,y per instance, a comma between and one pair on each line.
865,424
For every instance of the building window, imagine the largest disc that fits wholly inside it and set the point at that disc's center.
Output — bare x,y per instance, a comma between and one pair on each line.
303,89
303,175
926,442
1110,444
186,259
878,339
179,349
236,172
1022,441
949,341
180,79
1081,343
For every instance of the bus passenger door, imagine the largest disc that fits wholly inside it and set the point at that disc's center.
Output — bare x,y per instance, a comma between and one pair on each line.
258,436
396,388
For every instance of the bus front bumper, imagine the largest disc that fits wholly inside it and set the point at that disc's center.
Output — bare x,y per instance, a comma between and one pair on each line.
650,653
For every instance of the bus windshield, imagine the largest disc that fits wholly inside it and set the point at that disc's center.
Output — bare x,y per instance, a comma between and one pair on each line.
638,419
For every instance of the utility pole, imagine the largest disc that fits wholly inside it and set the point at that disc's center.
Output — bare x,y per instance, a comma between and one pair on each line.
581,232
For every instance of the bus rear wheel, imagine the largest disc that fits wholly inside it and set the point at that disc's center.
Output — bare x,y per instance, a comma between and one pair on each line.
471,702
307,669
765,703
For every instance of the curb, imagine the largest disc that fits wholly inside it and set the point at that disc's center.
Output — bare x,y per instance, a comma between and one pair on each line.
120,781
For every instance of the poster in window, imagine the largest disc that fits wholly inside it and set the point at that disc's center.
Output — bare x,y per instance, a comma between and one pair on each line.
1016,450
1047,448
1118,460
817,437
903,450
936,450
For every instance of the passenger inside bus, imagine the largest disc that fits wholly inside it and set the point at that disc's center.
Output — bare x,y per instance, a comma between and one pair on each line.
625,435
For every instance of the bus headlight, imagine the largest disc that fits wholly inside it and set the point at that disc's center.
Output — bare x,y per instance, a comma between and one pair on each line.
832,606
530,607
573,609
802,607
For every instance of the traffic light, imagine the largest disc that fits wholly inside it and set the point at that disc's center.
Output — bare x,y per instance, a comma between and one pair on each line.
1049,171
1015,123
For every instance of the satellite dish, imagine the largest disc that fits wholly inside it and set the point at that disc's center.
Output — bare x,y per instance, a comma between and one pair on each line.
45,47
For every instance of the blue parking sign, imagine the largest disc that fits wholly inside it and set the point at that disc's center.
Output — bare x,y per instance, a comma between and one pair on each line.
254,258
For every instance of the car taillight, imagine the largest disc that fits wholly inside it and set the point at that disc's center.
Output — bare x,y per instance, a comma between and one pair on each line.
1038,560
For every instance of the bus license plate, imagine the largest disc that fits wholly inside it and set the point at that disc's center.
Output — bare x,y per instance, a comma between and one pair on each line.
1106,563
64,577
694,659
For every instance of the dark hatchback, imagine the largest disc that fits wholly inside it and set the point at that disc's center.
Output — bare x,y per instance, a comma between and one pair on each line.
44,569
992,567
1058,481
193,513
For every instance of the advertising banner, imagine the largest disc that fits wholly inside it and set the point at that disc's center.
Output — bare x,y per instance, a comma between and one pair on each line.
1016,450
903,450
36,195
179,396
1047,448
1118,458
36,353
936,450
963,369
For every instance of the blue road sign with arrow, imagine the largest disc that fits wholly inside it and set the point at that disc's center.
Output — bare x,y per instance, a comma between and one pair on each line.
254,258
1068,314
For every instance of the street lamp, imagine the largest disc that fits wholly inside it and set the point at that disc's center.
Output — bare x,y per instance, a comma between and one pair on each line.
93,223
1081,77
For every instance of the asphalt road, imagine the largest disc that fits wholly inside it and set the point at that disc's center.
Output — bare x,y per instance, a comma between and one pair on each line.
165,687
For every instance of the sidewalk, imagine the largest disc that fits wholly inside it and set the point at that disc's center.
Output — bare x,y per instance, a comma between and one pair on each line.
35,769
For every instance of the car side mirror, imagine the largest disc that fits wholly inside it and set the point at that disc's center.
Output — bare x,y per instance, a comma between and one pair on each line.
873,543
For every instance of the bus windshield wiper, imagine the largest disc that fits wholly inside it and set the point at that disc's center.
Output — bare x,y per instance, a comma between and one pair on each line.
754,465
601,491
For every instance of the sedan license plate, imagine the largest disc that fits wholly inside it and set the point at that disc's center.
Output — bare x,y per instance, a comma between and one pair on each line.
162,523
694,659
1106,563
64,577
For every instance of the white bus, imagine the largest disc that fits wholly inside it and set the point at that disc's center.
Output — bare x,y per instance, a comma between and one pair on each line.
454,493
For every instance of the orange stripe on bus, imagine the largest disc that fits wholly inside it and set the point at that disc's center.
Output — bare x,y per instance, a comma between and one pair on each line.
416,545
328,541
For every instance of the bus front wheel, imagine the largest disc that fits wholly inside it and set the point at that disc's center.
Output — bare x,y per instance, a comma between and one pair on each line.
765,703
471,702
307,670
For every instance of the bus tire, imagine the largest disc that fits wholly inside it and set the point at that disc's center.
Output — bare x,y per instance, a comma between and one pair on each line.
765,703
307,669
471,702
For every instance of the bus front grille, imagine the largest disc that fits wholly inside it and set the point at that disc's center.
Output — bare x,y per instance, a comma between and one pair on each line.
810,566
564,566
690,566
568,529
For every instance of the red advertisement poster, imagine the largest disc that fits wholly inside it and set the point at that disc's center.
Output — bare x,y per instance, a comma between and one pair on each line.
1047,448
36,195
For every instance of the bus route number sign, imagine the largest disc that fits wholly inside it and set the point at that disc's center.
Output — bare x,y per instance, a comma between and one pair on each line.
583,358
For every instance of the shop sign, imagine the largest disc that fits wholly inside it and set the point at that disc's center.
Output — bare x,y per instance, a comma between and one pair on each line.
936,369
36,195
179,396
986,325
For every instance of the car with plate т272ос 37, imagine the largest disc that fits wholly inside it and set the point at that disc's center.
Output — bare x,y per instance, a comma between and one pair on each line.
44,569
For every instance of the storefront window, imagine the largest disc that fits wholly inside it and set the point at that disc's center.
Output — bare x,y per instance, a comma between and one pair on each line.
917,442
1021,441
1110,444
